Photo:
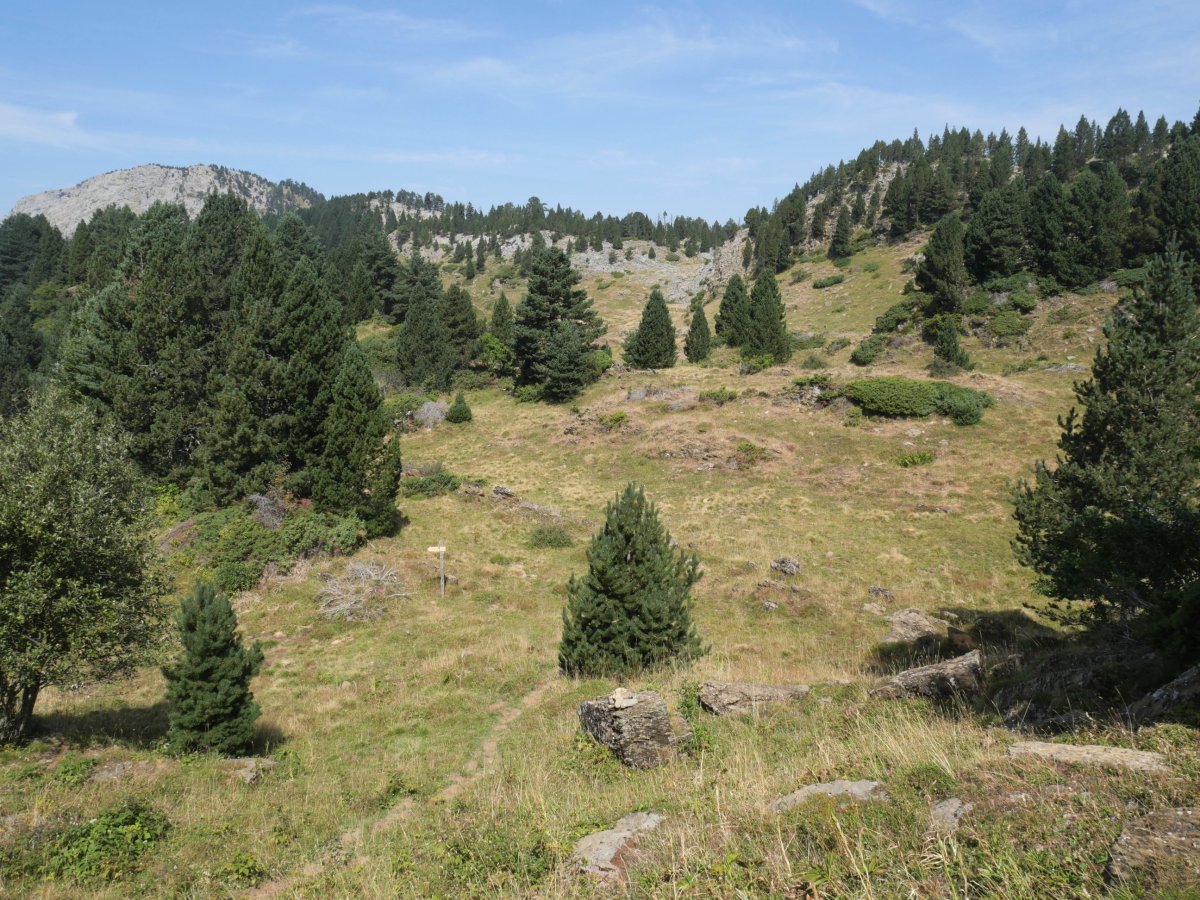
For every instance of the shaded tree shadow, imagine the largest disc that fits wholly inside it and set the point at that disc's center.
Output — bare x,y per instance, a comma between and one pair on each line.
1036,677
268,738
137,727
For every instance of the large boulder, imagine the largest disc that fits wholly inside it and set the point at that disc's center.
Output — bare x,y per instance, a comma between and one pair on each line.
911,626
1161,703
725,698
961,676
786,565
605,853
1164,841
635,726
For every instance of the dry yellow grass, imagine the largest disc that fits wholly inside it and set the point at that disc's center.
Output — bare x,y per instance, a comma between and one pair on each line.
435,752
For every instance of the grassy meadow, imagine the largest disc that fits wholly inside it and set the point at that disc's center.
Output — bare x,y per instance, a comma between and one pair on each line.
435,752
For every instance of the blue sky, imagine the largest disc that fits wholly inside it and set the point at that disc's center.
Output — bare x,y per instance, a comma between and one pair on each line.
694,108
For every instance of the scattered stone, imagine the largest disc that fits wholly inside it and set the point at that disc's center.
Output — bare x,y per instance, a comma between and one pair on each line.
1183,691
948,813
635,726
119,771
1092,755
850,791
1164,838
250,768
605,853
724,698
876,608
911,626
769,606
503,493
881,592
786,565
962,675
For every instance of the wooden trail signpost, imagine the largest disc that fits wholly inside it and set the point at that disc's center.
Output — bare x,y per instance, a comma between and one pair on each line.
440,550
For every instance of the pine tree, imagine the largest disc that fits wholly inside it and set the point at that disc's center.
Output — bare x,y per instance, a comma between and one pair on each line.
948,356
733,315
459,412
995,239
501,327
1046,226
462,325
839,247
562,370
552,301
417,279
1115,522
423,351
633,608
652,344
353,431
767,334
208,686
942,274
379,513
310,339
697,344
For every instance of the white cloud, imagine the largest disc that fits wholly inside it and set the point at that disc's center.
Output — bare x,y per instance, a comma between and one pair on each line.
59,129
422,28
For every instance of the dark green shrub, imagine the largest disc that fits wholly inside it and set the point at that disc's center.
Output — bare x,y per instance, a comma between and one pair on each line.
459,412
1127,278
828,281
108,847
868,350
752,364
1023,301
895,396
822,380
720,396
837,344
808,341
1008,324
897,315
920,458
748,454
978,304
430,485
613,421
550,537
814,361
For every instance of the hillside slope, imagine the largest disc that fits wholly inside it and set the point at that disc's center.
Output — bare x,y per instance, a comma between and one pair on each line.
435,751
140,187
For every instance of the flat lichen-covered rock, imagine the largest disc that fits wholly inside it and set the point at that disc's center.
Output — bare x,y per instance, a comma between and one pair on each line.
1092,755
604,853
1166,839
725,698
841,790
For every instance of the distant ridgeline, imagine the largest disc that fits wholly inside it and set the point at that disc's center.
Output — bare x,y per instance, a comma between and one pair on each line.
1062,211
416,220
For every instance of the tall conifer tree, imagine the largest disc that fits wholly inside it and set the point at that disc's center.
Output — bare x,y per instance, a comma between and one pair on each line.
1115,521
697,344
767,334
733,315
652,344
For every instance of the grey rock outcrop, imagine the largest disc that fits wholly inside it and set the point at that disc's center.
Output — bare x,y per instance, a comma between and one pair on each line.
947,815
843,791
1163,838
786,565
141,187
635,726
1182,691
961,676
725,698
1092,755
604,853
912,626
